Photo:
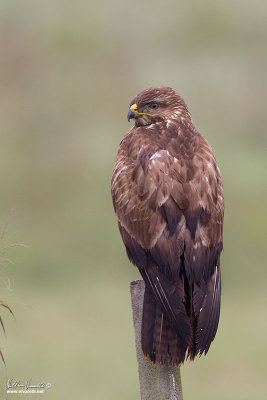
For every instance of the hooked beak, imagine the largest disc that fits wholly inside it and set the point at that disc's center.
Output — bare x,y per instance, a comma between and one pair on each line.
132,113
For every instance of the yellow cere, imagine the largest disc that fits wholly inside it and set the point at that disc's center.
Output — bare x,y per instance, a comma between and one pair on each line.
135,109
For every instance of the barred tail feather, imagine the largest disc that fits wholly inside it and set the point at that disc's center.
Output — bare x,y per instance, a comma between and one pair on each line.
159,340
161,330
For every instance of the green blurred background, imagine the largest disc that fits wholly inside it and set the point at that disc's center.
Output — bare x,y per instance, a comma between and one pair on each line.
68,73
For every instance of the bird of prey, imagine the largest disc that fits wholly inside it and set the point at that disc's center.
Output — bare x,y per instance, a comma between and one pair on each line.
168,198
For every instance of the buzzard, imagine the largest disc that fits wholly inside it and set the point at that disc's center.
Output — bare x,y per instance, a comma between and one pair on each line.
168,198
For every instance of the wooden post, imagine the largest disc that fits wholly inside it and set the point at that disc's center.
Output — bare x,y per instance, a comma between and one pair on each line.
157,382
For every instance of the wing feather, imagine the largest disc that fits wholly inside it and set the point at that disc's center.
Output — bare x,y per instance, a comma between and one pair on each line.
209,313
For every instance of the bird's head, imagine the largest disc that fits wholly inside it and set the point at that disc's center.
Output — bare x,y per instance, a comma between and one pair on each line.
157,104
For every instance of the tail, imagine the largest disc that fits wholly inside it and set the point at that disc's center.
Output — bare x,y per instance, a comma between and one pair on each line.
192,331
159,340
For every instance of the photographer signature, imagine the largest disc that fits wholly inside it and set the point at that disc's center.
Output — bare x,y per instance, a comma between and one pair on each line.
15,384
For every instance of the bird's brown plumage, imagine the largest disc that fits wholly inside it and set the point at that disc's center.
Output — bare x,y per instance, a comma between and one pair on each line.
168,197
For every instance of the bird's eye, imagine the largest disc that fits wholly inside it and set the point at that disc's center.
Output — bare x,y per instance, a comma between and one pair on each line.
153,105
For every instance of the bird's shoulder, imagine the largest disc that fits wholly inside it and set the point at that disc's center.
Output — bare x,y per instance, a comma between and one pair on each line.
171,147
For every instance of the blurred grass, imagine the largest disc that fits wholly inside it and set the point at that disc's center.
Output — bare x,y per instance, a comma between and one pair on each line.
68,73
